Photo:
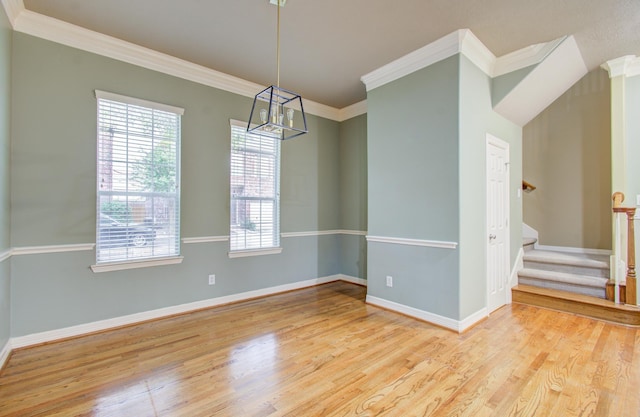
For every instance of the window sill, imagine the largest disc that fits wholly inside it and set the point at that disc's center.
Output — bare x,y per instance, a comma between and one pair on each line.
254,252
118,266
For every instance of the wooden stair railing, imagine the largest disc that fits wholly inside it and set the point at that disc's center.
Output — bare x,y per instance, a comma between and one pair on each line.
627,292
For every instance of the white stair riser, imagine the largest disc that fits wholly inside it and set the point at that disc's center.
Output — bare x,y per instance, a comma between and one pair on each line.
571,269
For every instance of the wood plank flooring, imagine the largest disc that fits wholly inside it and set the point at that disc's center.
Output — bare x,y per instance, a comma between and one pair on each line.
322,351
577,303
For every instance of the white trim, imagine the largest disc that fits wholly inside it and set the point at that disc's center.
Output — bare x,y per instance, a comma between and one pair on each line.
421,58
6,254
310,233
529,232
451,324
413,242
352,232
5,352
561,68
13,9
323,232
204,239
352,280
352,111
472,319
119,266
465,42
254,252
477,52
517,266
585,251
102,325
524,57
64,33
36,250
628,66
105,95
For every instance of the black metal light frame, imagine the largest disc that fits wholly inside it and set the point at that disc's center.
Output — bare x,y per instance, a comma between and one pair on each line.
277,99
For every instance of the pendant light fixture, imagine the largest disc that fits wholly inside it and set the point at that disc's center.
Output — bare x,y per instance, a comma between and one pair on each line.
276,112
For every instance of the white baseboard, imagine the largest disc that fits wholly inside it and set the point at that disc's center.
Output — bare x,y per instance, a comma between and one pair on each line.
4,353
585,251
529,232
513,278
353,280
518,265
87,328
451,324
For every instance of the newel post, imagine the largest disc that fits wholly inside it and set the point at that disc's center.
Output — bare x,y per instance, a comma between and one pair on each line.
631,256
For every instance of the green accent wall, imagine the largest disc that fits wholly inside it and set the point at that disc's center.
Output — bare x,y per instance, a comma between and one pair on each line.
5,175
503,84
427,181
353,195
632,128
413,188
53,193
477,119
5,131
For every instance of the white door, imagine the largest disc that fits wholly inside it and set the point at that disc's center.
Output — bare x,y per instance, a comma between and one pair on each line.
497,222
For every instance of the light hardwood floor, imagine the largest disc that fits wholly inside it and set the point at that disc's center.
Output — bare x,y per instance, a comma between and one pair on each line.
323,352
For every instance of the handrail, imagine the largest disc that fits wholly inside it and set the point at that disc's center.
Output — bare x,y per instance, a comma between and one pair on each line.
527,187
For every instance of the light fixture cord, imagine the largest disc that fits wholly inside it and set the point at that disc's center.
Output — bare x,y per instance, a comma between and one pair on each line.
278,45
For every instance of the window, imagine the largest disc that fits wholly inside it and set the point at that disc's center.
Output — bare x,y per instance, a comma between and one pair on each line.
255,190
138,179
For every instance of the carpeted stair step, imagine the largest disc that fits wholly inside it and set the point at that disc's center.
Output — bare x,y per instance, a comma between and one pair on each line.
579,264
576,283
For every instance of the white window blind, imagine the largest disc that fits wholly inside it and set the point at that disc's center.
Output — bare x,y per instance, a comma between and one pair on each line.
138,179
255,190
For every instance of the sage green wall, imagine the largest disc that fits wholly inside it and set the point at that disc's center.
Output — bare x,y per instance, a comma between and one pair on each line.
503,84
53,193
5,165
567,155
353,194
477,118
412,179
632,133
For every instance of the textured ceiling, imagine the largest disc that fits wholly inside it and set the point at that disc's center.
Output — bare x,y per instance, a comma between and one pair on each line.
327,45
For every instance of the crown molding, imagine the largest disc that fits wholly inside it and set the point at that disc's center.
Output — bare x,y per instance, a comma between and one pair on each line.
465,42
352,111
45,27
13,9
421,58
477,52
628,66
525,57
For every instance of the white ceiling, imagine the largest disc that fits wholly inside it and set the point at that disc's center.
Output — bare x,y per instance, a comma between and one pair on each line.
327,45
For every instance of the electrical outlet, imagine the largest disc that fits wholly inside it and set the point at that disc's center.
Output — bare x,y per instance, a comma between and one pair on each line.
212,279
389,281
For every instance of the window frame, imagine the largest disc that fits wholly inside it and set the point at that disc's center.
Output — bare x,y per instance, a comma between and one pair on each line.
276,248
130,259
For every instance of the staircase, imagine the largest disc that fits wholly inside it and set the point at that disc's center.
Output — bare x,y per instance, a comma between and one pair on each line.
570,282
578,273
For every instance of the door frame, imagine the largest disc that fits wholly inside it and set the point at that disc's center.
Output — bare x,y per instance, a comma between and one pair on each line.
499,143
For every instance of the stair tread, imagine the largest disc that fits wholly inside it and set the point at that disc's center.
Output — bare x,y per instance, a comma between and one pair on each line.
564,277
566,295
566,258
